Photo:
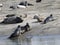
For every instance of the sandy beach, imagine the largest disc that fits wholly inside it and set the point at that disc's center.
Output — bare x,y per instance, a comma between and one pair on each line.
45,8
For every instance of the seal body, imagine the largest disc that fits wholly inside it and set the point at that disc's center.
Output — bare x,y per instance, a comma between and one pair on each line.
38,1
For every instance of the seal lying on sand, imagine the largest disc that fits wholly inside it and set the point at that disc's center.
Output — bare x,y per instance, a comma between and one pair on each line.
49,18
20,30
38,19
10,15
12,7
24,4
12,20
38,1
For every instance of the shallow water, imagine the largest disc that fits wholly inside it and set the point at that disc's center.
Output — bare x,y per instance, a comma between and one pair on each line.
34,40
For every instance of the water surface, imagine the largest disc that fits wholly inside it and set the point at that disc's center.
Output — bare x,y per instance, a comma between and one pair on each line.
34,40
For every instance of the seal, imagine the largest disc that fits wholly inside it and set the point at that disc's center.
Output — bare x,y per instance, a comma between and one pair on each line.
38,1
49,18
16,33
